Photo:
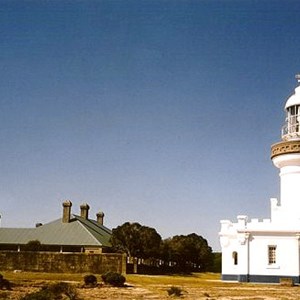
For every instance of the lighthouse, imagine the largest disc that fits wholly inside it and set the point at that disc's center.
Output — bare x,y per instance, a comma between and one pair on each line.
268,250
286,156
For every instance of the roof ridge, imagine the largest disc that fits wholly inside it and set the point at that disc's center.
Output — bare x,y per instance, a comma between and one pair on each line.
80,219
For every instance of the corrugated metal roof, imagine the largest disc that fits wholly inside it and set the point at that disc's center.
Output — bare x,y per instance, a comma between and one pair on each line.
98,231
16,235
78,232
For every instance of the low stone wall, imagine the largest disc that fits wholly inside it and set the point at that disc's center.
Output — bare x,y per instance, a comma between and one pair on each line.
53,262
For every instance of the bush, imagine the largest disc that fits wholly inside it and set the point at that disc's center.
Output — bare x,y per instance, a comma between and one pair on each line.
90,280
54,291
34,245
4,283
63,288
174,290
113,278
40,295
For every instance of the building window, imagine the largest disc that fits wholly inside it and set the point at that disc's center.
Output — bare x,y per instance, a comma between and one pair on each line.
235,258
272,255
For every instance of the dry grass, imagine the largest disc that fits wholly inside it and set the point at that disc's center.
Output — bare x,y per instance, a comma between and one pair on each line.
193,279
200,286
32,276
209,286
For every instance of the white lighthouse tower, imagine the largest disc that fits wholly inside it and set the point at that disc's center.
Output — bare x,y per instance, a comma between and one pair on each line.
286,156
269,249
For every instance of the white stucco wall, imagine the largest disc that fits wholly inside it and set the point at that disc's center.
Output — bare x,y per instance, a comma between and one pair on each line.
251,241
289,165
287,255
228,266
232,241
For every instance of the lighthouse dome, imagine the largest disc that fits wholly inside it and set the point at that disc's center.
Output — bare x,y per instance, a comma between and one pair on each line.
294,99
291,128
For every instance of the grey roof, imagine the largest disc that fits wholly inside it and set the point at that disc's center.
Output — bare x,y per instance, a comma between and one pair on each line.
78,232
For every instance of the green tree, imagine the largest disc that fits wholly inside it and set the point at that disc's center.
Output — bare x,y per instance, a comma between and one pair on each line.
136,240
151,242
33,245
217,263
188,252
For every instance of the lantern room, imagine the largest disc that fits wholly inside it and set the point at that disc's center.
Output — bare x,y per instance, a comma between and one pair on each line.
291,128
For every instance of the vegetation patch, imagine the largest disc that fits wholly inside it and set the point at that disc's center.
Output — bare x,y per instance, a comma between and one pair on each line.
56,291
114,279
181,253
4,283
175,291
90,280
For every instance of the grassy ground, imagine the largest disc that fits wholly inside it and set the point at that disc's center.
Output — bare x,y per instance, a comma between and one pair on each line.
33,276
202,286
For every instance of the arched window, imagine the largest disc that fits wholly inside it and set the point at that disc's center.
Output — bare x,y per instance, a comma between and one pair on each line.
235,258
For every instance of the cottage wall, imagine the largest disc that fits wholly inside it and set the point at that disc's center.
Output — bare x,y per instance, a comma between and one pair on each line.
62,262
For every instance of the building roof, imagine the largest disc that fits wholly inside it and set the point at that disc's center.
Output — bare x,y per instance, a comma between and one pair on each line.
77,232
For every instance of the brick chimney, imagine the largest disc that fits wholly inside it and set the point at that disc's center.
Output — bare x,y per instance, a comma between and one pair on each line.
84,210
66,211
100,217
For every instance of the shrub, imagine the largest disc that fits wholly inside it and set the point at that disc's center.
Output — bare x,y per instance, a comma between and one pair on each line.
113,278
63,288
40,295
34,245
174,290
90,280
54,291
4,283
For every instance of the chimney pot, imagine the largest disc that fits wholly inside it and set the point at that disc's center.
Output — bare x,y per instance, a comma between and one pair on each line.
100,217
84,211
66,211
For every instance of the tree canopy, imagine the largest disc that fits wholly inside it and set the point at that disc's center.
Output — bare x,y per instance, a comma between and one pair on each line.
188,251
182,252
136,240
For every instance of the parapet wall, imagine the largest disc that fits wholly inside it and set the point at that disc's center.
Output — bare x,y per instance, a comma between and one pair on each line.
50,262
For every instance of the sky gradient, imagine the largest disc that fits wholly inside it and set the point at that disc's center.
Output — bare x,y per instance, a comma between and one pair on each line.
157,112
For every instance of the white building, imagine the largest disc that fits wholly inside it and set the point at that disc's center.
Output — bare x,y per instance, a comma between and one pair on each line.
268,250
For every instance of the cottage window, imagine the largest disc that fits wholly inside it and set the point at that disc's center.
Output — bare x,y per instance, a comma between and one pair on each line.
235,258
272,255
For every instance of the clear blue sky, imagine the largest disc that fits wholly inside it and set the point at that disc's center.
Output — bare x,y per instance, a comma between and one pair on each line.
159,112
